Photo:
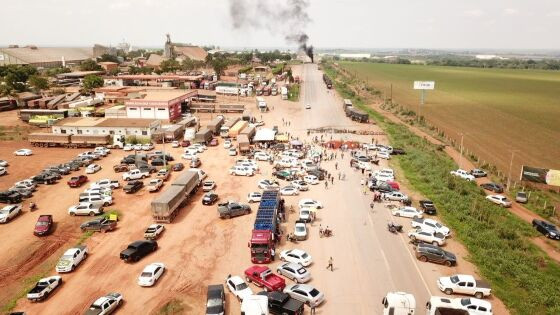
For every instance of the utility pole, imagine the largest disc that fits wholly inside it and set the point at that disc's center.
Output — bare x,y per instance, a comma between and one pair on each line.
461,157
510,166
164,155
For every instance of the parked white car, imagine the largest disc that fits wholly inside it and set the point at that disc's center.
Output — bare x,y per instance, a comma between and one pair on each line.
154,231
232,152
106,304
155,185
407,212
384,155
294,271
238,287
311,179
135,174
199,147
71,259
105,183
261,156
430,225
23,152
147,147
44,287
430,237
138,147
85,208
267,183
462,174
464,284
93,168
175,144
241,171
499,200
287,162
3,163
395,196
227,144
289,191
306,294
254,197
151,274
189,155
296,256
300,231
9,212
310,203
300,185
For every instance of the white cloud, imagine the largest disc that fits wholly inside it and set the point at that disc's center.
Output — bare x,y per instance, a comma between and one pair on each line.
119,5
474,13
554,13
511,11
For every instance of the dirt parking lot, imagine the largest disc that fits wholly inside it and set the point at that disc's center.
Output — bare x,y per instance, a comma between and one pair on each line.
199,249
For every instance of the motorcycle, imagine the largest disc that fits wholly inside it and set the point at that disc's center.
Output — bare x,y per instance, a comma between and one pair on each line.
394,228
291,238
32,206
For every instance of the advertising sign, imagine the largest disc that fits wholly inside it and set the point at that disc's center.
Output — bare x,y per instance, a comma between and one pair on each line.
540,175
424,85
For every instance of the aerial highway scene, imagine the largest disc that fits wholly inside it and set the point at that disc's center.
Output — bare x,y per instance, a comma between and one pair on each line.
279,157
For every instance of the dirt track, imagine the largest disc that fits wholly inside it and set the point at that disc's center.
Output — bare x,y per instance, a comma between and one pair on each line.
200,249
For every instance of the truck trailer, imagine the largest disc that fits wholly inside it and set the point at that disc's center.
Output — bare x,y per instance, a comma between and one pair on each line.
216,124
266,231
237,128
166,206
244,144
224,130
44,139
327,81
203,136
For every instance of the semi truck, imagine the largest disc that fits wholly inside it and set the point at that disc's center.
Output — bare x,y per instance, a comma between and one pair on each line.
189,134
244,144
237,128
216,124
44,139
173,132
224,130
203,136
357,115
166,206
249,131
284,92
266,230
261,104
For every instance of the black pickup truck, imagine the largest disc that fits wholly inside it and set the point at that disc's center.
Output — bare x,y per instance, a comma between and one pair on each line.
137,250
281,303
10,197
428,207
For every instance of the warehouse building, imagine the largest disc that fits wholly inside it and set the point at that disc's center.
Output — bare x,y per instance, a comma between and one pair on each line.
163,105
107,126
44,57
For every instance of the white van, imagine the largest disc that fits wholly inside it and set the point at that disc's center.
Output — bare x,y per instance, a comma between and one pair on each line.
254,305
398,303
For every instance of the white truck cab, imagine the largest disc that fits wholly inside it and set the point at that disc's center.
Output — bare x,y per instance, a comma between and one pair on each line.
399,303
254,305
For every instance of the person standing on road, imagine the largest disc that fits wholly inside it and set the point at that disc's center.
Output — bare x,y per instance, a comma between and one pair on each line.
330,265
332,180
313,310
327,184
336,167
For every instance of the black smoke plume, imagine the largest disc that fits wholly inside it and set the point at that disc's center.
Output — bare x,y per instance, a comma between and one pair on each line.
288,17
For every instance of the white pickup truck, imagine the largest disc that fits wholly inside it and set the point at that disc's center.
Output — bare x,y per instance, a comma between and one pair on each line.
463,174
430,225
71,259
43,288
105,183
135,174
464,284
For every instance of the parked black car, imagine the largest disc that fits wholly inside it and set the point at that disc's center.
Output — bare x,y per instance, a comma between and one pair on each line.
53,173
280,303
283,175
478,173
158,162
44,179
547,229
428,207
493,187
209,198
72,166
10,197
215,300
319,173
137,250
133,186
427,252
177,167
380,186
128,160
24,192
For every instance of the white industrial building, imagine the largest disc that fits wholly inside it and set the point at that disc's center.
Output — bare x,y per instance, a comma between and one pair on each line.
107,126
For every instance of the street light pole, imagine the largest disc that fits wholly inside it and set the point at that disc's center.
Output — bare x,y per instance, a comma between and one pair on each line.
510,166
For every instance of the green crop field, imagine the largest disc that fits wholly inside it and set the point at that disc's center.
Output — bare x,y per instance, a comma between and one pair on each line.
499,109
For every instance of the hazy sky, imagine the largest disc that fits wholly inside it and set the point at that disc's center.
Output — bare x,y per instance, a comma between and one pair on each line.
513,24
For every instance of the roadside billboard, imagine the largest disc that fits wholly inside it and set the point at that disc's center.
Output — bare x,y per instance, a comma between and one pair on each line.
424,85
540,175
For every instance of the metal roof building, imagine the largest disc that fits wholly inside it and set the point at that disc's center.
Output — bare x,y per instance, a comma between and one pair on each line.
46,57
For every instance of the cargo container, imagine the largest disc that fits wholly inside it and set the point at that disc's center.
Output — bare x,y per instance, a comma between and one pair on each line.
173,132
224,130
216,124
266,231
166,206
243,144
249,131
237,128
83,141
43,139
203,136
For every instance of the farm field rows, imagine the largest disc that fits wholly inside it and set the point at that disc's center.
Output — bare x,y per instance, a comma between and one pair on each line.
498,109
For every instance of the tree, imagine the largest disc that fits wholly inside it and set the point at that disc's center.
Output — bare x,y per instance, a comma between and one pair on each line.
219,65
6,90
169,65
92,82
38,82
90,65
107,57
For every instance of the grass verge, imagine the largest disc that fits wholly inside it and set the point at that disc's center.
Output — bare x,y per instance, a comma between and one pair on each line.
293,92
521,274
172,307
